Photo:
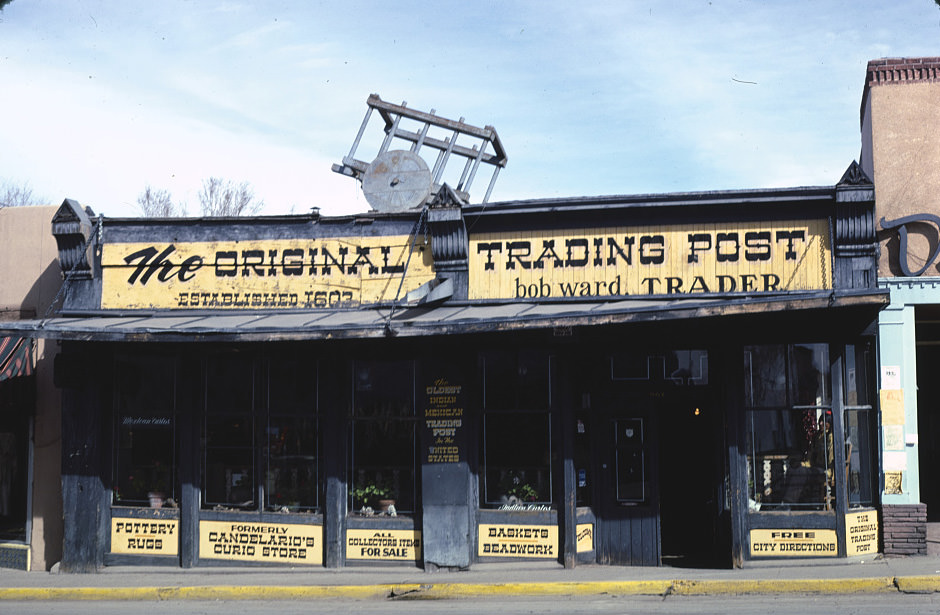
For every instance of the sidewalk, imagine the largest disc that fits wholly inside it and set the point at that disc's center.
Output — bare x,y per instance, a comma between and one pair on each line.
911,574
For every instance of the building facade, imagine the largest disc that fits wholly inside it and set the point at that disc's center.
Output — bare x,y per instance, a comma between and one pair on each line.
30,454
900,152
641,380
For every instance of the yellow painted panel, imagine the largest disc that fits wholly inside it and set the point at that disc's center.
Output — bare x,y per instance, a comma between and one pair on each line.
585,537
261,542
746,257
793,543
268,274
145,536
529,541
861,533
383,545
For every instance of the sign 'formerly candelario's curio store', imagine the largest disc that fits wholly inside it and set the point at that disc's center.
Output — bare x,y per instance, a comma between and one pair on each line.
745,257
261,274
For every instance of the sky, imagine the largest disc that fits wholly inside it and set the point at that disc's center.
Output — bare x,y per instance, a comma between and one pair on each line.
99,99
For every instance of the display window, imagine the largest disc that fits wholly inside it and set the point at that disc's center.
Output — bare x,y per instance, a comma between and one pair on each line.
229,479
517,435
291,451
261,437
383,473
858,417
790,448
145,463
17,400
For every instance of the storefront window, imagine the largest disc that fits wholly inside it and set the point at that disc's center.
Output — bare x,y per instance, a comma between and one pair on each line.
17,403
383,438
516,429
291,451
858,425
145,423
261,434
790,449
229,433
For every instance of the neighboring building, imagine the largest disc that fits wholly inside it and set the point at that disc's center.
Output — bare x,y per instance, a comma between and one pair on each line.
30,454
900,116
627,380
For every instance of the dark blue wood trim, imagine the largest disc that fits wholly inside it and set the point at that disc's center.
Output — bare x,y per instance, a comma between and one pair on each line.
82,491
334,406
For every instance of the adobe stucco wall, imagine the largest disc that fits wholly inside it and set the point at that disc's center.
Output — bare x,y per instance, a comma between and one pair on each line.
901,152
29,280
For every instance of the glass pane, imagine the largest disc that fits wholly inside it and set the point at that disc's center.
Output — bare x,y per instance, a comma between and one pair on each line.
765,381
229,478
291,451
229,385
789,458
229,431
517,453
384,388
858,452
292,386
384,437
145,468
687,367
810,374
516,380
229,441
857,391
292,463
631,462
383,464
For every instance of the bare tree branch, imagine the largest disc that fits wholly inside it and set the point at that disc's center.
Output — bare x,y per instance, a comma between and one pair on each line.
17,195
158,204
220,197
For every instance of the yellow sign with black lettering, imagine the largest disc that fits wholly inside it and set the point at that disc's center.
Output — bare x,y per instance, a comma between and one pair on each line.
585,537
604,263
536,541
144,536
383,545
261,542
793,543
262,274
861,533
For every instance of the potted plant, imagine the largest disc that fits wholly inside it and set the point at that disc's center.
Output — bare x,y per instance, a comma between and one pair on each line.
515,489
377,493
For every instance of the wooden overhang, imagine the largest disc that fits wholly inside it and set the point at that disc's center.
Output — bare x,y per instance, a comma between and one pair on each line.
423,321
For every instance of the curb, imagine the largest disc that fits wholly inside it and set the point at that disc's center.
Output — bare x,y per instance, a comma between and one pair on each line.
439,591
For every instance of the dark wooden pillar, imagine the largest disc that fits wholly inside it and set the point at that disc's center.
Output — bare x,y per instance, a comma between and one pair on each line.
189,417
563,423
334,409
83,494
730,362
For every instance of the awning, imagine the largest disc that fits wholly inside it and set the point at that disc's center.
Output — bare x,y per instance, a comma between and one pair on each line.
16,357
422,320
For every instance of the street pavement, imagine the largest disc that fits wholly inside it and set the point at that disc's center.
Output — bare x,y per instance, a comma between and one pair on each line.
915,574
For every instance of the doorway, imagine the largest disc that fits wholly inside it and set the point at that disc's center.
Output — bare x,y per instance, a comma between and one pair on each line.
695,529
928,426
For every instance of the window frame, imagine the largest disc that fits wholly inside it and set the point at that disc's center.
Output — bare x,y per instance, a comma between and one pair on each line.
259,418
515,405
359,498
824,406
160,492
